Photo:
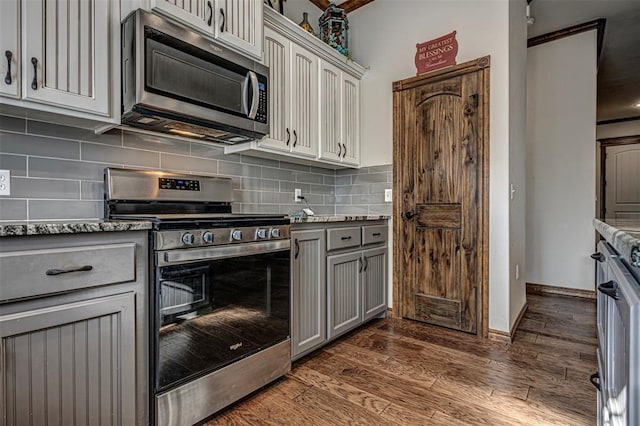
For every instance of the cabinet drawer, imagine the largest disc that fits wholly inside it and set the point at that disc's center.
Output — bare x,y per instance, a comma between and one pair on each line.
37,272
343,238
373,234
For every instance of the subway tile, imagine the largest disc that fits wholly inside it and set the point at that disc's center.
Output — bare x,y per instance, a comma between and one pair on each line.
380,169
246,197
352,189
343,200
378,188
13,209
280,174
345,172
15,143
292,166
291,186
322,171
322,189
65,209
329,199
211,151
13,124
91,190
17,164
313,199
390,177
156,143
367,199
112,137
324,210
66,169
45,188
308,177
352,210
118,155
247,159
238,169
384,209
276,197
257,208
329,180
369,178
260,184
343,180
184,163
289,208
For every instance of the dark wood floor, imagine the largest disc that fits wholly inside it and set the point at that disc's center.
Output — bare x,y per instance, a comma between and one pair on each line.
401,372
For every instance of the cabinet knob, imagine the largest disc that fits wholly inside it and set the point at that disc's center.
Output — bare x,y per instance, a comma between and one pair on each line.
34,82
9,55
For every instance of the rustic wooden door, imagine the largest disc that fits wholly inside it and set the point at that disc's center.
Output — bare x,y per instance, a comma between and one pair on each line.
439,169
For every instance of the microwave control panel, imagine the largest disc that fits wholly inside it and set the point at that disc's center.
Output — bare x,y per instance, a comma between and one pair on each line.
263,100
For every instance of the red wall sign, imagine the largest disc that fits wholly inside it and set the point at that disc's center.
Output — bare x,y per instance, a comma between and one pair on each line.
437,53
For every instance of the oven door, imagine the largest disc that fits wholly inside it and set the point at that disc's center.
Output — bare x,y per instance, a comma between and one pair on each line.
218,305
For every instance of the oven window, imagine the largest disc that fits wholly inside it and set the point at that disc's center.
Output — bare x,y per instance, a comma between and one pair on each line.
210,319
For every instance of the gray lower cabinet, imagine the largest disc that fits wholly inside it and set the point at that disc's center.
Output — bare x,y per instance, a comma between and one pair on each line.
344,292
70,364
374,282
74,329
309,312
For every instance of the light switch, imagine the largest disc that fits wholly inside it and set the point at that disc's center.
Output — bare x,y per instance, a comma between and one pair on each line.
5,182
388,197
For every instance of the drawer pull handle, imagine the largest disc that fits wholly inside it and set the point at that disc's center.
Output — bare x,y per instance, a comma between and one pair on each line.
288,136
346,238
598,256
361,263
609,288
210,13
66,271
366,263
595,380
223,20
7,78
295,139
297,249
376,234
339,150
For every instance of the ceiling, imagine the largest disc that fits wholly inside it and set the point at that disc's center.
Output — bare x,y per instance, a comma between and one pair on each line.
619,68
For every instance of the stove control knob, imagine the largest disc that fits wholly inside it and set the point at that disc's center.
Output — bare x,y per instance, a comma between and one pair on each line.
236,235
275,233
207,237
188,238
262,233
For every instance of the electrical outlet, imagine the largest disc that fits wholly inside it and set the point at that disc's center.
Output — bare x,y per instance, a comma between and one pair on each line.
388,196
5,182
517,272
297,193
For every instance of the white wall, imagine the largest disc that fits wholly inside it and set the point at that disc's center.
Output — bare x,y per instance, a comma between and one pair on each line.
517,156
561,165
616,130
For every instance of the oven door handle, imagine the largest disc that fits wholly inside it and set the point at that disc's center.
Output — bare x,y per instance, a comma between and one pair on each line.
211,253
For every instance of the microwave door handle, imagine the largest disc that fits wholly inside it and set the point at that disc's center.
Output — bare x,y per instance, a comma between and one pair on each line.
256,95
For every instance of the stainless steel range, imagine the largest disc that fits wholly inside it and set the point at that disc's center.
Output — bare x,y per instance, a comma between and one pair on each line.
220,291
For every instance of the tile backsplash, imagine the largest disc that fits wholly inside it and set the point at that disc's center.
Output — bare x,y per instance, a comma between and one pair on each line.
57,173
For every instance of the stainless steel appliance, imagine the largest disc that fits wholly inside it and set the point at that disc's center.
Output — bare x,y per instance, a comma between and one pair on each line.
220,303
177,81
618,310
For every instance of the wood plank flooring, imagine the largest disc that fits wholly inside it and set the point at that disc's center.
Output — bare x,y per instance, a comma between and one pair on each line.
399,372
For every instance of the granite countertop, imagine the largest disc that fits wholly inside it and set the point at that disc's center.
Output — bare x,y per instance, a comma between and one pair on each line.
10,229
623,235
337,218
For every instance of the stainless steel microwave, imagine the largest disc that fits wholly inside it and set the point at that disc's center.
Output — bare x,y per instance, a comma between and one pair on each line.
177,81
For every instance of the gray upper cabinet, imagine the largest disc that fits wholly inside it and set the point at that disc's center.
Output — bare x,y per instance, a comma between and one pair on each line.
309,312
10,48
374,282
70,364
344,295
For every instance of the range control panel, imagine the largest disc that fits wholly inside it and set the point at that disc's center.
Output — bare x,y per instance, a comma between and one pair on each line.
179,184
219,236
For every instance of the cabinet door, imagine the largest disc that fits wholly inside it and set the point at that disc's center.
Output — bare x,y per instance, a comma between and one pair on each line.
198,14
304,101
66,55
276,57
309,316
10,48
374,282
69,363
350,119
344,296
331,147
239,24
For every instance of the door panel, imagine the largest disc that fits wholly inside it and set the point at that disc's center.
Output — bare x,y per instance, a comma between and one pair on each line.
304,101
622,188
439,170
195,13
276,57
344,292
351,119
241,26
10,42
330,114
374,282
